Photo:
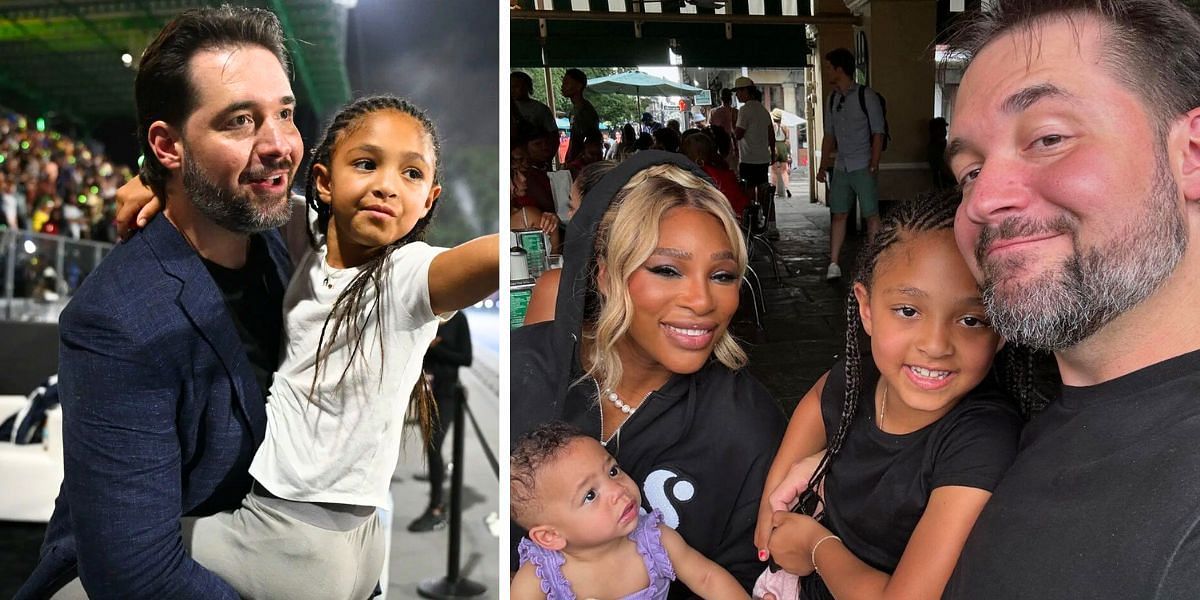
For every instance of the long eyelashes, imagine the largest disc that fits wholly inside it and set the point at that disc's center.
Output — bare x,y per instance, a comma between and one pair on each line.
670,272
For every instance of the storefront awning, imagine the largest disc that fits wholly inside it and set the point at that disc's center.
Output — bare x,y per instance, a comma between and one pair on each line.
627,33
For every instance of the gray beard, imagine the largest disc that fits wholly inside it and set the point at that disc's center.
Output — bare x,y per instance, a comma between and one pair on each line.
1093,286
239,213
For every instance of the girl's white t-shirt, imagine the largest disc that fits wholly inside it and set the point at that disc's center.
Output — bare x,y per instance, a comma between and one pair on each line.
342,445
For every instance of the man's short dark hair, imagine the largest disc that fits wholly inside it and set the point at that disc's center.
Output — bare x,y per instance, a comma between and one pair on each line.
726,95
668,139
843,59
163,88
577,75
1149,45
523,77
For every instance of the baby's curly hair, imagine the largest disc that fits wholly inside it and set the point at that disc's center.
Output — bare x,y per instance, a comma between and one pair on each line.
531,452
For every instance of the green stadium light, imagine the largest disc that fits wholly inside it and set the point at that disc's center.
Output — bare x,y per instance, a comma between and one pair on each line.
41,124
24,144
3,158
83,198
95,189
141,159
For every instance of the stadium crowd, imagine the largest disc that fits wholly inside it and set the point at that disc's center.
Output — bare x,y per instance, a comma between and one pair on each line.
53,184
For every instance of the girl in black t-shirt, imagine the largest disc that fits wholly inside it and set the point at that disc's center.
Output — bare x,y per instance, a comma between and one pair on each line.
905,471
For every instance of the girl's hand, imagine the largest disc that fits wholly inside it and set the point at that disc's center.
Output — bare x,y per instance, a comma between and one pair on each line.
785,497
549,223
762,530
136,205
787,493
792,540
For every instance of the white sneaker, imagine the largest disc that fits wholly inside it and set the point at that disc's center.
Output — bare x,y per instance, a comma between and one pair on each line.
834,272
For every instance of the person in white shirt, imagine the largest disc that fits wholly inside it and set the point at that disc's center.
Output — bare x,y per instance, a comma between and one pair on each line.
359,315
754,133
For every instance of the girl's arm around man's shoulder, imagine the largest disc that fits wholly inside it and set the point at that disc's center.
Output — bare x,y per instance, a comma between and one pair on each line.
464,274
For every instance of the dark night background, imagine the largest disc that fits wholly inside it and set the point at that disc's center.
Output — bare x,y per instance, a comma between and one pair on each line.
444,56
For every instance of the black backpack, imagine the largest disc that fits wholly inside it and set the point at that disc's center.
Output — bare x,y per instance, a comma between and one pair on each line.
862,102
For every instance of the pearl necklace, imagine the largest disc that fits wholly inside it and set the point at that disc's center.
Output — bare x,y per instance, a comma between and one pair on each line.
624,408
616,400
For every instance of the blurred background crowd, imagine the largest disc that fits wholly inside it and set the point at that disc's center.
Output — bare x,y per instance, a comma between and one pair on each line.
53,184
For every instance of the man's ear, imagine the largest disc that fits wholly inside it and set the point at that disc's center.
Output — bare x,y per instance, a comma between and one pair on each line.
1190,144
321,182
547,537
166,144
864,305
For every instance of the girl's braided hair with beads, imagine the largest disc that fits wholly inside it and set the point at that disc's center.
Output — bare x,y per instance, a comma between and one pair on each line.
347,311
1021,371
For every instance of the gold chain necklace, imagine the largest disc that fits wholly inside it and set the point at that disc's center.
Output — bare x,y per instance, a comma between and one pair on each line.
883,406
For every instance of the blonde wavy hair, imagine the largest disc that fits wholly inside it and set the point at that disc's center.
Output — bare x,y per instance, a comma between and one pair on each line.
626,237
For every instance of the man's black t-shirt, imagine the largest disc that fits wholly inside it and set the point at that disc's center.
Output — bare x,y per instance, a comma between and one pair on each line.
879,484
1103,500
585,125
254,296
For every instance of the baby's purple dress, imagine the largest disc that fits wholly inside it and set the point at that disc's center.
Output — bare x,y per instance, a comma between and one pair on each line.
548,563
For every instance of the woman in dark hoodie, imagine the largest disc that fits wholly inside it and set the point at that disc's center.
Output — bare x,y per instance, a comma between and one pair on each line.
640,356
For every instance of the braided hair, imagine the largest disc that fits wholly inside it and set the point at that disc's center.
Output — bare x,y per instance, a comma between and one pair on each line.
1019,371
347,311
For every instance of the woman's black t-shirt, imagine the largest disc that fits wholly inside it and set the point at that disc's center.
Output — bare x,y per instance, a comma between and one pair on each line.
879,484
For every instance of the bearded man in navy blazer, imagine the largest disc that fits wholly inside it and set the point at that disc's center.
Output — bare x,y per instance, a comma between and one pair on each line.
169,346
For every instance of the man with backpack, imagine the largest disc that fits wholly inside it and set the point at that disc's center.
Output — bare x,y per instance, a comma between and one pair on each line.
856,130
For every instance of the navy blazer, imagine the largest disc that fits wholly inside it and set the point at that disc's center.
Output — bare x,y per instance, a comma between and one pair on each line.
162,415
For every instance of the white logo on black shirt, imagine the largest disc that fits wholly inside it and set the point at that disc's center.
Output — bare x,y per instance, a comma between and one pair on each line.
664,489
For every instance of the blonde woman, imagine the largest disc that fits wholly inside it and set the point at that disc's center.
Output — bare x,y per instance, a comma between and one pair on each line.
640,355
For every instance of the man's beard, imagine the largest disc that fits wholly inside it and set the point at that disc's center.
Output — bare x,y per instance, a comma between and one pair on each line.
1060,308
237,212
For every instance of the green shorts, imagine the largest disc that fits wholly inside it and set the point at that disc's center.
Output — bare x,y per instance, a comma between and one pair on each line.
845,185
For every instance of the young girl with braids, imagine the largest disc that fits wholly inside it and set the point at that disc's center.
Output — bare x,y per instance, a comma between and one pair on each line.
360,312
914,434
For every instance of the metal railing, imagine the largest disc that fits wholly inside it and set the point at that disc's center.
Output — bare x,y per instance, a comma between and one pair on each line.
42,271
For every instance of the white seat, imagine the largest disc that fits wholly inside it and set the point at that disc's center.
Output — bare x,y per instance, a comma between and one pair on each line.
33,472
